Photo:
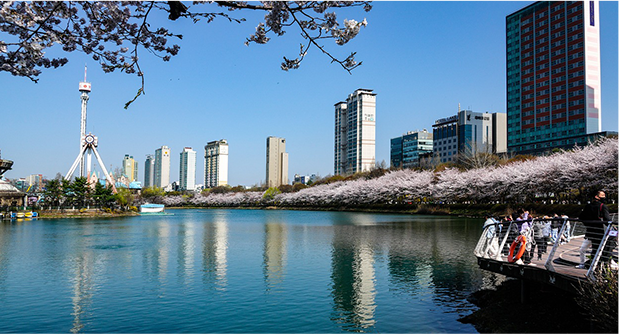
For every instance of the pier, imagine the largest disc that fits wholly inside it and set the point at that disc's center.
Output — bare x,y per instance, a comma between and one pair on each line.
558,265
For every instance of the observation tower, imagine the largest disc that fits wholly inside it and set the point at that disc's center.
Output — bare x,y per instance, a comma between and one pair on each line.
84,89
88,142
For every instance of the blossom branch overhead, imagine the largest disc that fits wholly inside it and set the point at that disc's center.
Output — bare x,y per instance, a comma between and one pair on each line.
112,33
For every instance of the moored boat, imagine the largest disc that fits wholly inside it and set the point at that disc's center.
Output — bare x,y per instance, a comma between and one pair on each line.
152,208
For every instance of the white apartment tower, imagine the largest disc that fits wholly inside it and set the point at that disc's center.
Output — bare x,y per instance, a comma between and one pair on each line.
187,170
277,162
216,163
162,167
355,133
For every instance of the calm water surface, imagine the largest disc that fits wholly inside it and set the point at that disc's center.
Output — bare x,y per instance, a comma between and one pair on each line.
239,271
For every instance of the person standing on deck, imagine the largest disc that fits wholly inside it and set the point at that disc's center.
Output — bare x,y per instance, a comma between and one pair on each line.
538,236
591,214
524,222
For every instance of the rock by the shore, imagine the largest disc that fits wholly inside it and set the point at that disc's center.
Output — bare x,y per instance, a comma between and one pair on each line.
546,310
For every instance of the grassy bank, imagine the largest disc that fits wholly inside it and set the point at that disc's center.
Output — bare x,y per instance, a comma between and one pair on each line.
84,213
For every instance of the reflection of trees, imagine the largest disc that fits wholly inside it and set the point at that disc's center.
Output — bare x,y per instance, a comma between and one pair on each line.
353,278
435,250
215,250
274,256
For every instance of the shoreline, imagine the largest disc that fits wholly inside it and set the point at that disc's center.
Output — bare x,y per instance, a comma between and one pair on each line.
90,213
460,210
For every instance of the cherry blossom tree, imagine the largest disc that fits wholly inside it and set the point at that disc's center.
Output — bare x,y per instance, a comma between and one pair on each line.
116,33
585,169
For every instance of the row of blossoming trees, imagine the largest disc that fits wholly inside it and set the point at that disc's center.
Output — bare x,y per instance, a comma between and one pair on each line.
567,176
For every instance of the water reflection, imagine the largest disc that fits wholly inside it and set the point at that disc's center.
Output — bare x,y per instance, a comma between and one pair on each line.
82,277
215,251
155,259
186,250
427,259
209,269
274,253
353,278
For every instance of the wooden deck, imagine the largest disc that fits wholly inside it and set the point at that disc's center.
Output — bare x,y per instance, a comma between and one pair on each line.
561,271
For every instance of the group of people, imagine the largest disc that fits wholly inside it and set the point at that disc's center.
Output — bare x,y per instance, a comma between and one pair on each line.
539,233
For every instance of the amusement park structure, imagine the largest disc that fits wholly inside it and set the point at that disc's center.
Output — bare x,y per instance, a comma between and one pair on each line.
88,142
4,166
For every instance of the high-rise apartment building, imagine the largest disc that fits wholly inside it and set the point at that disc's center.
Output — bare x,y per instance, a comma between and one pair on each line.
408,150
187,170
149,171
162,167
553,75
130,168
277,162
216,163
355,133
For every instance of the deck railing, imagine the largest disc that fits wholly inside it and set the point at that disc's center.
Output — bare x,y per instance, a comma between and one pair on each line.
561,247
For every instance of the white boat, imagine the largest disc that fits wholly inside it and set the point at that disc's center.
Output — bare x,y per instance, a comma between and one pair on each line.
152,208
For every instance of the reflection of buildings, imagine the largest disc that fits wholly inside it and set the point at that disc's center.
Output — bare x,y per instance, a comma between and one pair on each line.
215,250
274,253
186,250
353,278
156,259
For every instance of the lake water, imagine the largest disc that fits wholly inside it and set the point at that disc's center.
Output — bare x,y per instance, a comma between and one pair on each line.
240,271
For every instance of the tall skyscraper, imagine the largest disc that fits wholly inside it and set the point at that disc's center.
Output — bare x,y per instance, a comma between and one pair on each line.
277,162
553,75
130,168
187,170
162,167
216,163
149,171
355,133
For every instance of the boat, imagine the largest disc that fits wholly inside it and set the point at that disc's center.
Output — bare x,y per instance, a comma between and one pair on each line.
152,208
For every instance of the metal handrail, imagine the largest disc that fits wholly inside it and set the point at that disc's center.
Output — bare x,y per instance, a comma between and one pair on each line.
568,227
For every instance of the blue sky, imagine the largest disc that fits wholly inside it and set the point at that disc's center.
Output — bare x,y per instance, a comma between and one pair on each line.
420,58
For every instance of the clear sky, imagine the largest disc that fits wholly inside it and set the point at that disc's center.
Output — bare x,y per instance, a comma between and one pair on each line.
420,58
